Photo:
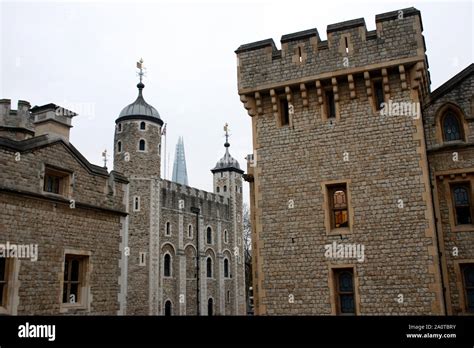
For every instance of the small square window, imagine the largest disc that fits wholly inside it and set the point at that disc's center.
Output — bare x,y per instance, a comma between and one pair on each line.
56,181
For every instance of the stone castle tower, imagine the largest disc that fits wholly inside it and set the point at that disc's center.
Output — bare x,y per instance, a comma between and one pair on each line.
137,155
329,168
169,220
228,182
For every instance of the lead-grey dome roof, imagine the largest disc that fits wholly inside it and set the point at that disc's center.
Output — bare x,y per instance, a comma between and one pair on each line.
140,109
227,163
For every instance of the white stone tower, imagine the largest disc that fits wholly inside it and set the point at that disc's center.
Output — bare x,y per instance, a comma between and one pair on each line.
137,154
228,182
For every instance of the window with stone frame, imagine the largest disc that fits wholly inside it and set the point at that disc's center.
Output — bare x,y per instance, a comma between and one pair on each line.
75,268
462,203
468,285
451,126
168,308
190,231
226,268
209,267
344,291
56,181
329,103
168,229
379,96
338,206
142,125
5,264
167,265
209,235
142,145
284,111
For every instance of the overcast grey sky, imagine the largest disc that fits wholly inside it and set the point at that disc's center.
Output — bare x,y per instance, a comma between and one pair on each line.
84,54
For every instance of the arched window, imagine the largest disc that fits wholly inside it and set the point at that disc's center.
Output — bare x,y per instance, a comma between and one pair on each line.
142,125
226,268
210,307
119,146
190,231
451,127
218,189
142,145
226,237
119,127
168,308
225,188
209,267
168,229
209,235
462,204
167,265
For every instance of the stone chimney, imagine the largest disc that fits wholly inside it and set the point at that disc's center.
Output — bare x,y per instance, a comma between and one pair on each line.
53,120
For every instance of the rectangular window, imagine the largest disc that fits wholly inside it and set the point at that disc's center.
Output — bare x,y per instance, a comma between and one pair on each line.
468,284
142,260
284,112
379,94
56,181
75,268
344,290
338,205
330,104
136,203
4,278
461,194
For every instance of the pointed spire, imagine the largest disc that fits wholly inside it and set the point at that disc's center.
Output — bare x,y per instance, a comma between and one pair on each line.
180,174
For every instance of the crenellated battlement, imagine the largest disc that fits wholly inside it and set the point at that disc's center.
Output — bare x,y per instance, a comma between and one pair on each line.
193,192
16,123
350,49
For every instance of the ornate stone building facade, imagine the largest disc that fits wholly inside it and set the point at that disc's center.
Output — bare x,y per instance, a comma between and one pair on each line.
357,205
169,221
